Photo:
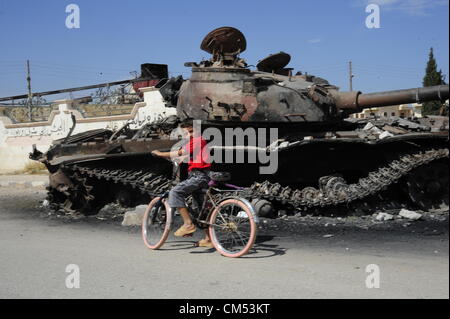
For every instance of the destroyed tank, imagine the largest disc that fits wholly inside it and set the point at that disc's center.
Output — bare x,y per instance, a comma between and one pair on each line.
322,157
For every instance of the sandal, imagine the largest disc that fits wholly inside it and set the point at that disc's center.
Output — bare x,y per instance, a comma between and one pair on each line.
204,243
182,231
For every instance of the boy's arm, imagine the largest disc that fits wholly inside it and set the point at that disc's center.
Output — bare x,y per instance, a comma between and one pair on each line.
172,154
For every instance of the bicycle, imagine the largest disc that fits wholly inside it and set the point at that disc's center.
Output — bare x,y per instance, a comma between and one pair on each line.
231,220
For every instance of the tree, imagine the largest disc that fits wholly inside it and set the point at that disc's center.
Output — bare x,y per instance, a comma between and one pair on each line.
432,77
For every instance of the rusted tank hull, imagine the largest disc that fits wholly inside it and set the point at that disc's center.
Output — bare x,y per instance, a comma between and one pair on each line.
86,176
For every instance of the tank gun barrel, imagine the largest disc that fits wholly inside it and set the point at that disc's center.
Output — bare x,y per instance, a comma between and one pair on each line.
356,101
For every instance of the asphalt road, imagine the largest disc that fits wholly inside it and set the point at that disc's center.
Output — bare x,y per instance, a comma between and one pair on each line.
113,262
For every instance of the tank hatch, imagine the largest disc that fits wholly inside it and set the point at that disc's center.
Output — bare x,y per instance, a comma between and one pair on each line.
224,40
275,63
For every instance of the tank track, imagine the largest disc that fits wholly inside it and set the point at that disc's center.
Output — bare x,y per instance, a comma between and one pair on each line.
333,190
146,182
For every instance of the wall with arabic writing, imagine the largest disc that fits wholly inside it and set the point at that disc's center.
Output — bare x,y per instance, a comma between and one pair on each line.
16,140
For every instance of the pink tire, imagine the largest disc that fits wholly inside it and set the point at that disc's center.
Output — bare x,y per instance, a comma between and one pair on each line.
156,228
226,221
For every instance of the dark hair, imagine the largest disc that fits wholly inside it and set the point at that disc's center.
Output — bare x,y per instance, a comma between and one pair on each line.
187,123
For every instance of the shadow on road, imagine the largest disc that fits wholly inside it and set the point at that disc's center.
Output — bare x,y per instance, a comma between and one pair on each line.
261,248
178,245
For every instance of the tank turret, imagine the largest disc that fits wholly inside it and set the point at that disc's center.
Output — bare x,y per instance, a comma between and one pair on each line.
224,88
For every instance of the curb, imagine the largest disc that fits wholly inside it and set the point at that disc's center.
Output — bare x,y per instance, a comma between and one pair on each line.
35,184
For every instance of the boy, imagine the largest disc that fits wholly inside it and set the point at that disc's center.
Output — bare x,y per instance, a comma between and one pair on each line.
198,178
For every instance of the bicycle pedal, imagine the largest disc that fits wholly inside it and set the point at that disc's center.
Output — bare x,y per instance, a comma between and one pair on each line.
188,235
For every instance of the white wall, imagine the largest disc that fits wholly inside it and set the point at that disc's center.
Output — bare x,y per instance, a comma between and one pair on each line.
16,140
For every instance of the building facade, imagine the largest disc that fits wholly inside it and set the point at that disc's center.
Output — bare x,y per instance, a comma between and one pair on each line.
402,110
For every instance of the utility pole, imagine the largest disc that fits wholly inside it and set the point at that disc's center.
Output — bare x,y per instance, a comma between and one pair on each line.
30,95
350,75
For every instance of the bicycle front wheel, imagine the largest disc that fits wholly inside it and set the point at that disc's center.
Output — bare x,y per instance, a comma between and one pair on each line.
156,223
233,228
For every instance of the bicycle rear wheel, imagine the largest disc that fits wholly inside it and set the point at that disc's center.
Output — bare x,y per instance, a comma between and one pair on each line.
233,228
157,223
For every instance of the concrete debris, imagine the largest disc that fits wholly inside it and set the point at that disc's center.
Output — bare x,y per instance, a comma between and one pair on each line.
384,216
394,130
368,127
385,134
362,135
134,218
372,129
411,125
410,214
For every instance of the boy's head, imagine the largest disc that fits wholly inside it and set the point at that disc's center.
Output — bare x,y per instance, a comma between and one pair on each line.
188,125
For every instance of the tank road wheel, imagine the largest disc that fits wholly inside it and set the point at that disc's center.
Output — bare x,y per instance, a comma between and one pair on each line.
84,204
77,199
55,198
88,196
428,186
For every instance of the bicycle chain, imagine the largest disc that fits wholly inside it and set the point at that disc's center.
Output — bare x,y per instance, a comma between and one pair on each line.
333,190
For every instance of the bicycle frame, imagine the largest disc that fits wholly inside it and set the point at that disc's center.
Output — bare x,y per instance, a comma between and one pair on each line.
202,216
205,212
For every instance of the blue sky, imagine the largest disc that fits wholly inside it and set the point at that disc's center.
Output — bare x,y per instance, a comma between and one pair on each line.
117,36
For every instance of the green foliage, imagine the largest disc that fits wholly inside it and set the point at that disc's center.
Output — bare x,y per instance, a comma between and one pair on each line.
432,77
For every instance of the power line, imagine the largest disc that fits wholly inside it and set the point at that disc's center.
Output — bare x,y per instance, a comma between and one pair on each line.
72,66
66,70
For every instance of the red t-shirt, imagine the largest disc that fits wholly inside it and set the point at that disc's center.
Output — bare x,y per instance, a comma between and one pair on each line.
198,153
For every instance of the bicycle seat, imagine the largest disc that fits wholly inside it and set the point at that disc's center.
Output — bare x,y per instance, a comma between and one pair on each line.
220,176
